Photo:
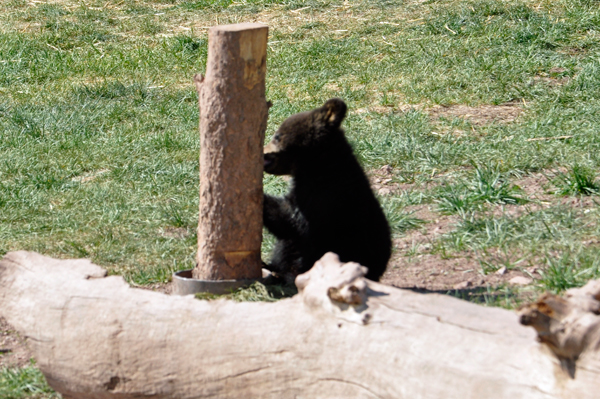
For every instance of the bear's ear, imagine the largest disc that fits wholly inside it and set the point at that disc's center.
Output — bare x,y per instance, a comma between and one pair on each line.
334,112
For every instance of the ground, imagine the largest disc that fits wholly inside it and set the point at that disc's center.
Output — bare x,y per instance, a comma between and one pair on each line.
414,266
13,348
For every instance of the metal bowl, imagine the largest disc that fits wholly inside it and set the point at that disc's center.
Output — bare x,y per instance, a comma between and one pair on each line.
184,284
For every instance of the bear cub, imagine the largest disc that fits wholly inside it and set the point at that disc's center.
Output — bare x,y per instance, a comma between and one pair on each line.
330,205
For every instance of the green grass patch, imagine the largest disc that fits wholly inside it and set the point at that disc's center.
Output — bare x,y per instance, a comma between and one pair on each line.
257,292
578,180
552,239
486,186
400,221
24,383
570,269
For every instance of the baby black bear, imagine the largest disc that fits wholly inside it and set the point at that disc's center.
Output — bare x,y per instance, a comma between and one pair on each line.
330,205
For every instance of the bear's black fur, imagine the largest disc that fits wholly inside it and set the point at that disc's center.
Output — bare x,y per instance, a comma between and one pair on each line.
330,206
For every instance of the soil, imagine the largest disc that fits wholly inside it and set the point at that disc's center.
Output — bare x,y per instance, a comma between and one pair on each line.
174,232
413,265
382,181
482,115
13,348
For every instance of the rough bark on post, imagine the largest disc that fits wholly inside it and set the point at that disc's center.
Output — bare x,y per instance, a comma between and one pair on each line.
233,118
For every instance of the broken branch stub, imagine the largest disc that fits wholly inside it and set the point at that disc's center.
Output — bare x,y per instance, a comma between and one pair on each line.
233,118
569,326
336,287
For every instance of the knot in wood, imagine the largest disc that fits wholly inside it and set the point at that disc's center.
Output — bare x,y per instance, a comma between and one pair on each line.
350,294
336,287
568,326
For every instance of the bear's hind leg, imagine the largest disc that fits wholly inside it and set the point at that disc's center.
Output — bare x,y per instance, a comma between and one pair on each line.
286,260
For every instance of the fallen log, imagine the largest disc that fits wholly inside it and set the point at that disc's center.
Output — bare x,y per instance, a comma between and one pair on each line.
342,336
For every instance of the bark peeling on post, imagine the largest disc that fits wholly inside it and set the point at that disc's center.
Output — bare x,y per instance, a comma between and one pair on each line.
233,118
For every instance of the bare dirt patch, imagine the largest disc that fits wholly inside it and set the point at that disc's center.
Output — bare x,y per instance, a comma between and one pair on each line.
13,348
482,115
380,109
163,288
87,177
538,188
382,180
550,81
175,232
414,266
535,186
553,78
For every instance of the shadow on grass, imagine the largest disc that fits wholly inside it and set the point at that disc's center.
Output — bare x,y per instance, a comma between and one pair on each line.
503,296
500,296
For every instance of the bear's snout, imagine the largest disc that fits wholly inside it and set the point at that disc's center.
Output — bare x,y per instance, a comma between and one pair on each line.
270,147
267,162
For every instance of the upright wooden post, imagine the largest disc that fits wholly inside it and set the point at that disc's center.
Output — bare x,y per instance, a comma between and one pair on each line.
233,118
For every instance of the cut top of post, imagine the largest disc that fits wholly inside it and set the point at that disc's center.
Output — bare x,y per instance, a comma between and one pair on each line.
237,27
245,43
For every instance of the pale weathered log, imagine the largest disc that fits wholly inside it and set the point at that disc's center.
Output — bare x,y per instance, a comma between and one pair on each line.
233,119
95,337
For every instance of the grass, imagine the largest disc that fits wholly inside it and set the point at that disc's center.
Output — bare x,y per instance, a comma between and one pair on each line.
400,221
98,123
577,181
257,292
27,382
570,269
486,186
557,240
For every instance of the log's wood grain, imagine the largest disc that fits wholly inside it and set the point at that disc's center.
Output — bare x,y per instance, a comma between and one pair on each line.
95,337
233,119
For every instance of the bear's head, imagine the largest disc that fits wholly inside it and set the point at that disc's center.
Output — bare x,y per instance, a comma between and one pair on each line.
300,135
